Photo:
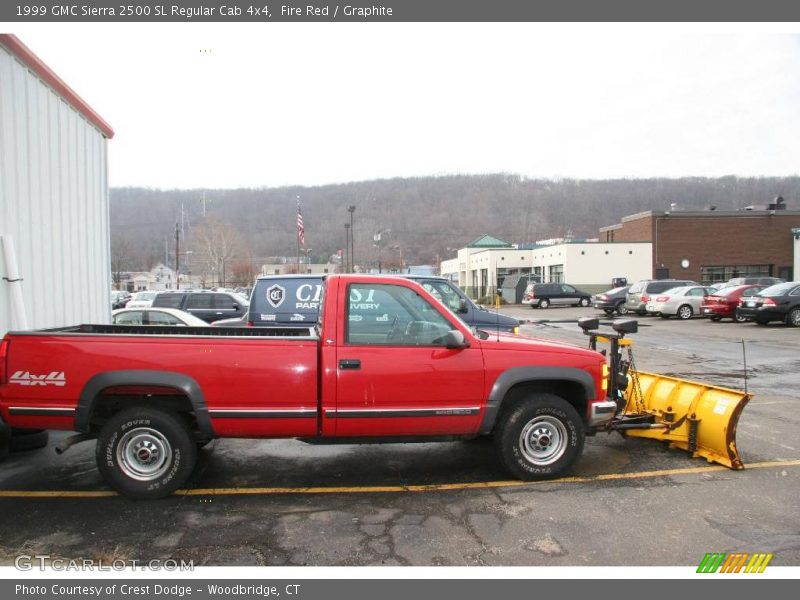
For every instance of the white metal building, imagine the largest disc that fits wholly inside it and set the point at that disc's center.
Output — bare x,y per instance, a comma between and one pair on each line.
54,222
587,265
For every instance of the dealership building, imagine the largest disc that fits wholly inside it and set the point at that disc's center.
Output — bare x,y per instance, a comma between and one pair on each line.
712,246
588,265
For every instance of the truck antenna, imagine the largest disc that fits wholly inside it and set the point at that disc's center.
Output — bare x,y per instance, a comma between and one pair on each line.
744,359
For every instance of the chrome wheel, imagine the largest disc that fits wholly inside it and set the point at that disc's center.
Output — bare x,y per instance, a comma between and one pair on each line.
622,309
794,318
685,312
144,454
543,440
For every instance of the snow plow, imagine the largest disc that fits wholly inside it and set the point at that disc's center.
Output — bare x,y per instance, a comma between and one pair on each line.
696,417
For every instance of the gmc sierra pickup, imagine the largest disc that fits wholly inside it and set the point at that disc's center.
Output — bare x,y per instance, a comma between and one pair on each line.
386,362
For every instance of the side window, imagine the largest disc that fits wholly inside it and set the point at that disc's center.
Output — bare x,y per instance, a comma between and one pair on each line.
795,291
199,301
567,289
160,318
444,293
168,300
697,292
223,302
129,318
393,315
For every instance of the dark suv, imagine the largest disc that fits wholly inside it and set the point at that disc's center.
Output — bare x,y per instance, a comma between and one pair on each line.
641,292
209,306
542,295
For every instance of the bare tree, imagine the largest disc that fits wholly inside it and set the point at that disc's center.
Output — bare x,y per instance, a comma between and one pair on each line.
121,257
217,242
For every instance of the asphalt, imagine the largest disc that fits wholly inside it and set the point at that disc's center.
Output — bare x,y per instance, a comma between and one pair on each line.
282,502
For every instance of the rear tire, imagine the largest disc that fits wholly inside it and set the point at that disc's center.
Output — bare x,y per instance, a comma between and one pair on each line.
739,318
28,439
544,303
145,453
540,437
793,318
685,312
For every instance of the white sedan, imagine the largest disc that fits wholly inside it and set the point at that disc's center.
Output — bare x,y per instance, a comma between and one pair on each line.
141,300
155,316
681,302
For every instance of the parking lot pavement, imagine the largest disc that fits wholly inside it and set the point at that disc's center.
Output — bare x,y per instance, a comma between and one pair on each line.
282,502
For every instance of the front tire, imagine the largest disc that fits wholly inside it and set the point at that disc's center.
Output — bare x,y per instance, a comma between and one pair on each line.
145,453
539,437
621,308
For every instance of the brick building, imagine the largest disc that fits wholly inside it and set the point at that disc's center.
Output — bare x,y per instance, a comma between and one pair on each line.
713,246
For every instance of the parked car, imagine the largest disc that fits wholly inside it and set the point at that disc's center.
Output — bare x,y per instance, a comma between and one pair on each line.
612,301
119,298
155,316
779,302
722,303
208,306
682,302
141,300
755,280
542,295
642,292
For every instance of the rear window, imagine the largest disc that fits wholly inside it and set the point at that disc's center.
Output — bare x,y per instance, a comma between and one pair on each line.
780,289
636,288
289,300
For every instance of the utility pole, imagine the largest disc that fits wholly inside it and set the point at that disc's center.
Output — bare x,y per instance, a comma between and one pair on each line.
177,256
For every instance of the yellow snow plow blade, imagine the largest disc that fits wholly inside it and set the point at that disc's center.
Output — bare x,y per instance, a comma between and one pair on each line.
692,416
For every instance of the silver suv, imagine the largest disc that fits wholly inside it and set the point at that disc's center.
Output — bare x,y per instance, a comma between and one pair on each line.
641,292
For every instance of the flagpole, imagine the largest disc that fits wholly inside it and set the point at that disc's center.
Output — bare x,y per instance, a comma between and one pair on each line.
297,235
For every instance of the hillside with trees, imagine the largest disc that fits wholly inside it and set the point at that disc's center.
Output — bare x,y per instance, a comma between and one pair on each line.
426,218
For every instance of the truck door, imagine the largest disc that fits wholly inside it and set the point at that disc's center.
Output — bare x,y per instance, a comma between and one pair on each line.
395,377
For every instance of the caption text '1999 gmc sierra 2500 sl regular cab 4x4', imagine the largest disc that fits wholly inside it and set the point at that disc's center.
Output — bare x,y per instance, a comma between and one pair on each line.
151,395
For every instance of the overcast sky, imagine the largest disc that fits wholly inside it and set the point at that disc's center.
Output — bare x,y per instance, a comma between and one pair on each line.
219,106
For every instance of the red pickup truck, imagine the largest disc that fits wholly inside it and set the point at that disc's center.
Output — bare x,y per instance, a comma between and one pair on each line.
386,362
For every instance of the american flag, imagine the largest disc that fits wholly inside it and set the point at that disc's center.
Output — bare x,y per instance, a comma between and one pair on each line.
301,232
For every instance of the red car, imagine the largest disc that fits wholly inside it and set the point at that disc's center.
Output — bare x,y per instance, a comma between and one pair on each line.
723,303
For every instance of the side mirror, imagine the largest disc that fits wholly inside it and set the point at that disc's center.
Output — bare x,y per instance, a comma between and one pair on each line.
235,307
625,326
455,340
462,306
588,323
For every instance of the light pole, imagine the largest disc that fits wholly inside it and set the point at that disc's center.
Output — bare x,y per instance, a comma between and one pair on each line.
351,209
347,247
379,242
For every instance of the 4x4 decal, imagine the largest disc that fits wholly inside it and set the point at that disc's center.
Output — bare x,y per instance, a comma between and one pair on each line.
56,378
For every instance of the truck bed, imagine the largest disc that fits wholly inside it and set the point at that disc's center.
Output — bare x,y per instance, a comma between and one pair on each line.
101,329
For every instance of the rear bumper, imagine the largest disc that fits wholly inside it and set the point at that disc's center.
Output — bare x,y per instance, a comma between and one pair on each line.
717,310
762,314
601,413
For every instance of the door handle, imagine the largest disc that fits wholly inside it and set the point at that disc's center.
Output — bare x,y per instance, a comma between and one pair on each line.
350,363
